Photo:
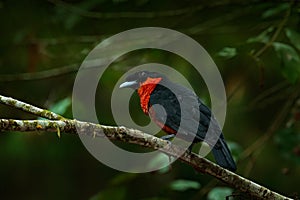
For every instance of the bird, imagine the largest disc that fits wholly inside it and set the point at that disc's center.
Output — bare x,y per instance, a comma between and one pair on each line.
154,88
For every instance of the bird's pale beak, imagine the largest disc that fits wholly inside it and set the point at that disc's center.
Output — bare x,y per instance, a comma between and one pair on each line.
129,84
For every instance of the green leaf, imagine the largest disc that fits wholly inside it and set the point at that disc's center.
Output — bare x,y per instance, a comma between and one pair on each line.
219,193
160,160
61,106
183,185
227,52
263,37
275,10
288,140
58,132
294,37
290,60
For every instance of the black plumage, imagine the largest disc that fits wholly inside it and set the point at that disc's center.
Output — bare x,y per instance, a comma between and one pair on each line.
177,103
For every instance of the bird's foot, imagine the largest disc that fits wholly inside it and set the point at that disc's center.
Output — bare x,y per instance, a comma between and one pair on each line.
167,137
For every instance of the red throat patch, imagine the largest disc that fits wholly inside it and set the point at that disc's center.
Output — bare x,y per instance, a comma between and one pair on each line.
145,90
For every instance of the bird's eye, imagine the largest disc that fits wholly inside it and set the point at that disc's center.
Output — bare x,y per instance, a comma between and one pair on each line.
143,74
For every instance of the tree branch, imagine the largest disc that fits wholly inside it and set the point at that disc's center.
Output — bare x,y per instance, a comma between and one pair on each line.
40,75
132,136
128,14
29,108
275,35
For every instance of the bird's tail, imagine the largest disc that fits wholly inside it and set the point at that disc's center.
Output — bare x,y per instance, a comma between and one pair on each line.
223,156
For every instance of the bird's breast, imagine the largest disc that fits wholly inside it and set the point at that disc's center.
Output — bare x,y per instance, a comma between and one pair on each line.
144,92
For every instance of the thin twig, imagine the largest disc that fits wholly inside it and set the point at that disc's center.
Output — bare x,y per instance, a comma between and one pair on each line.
275,35
129,14
276,123
40,75
276,89
281,116
63,40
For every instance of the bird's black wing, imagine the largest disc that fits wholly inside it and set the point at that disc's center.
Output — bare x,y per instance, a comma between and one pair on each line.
165,106
170,113
188,117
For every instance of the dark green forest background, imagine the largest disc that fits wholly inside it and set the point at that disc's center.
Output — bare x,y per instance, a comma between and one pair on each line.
255,45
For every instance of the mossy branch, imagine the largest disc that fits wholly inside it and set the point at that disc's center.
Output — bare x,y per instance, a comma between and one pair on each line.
133,136
29,108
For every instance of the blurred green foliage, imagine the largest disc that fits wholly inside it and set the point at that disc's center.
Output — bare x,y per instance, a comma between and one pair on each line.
219,193
183,185
255,44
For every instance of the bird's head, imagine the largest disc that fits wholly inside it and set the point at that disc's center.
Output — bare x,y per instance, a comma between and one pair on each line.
140,78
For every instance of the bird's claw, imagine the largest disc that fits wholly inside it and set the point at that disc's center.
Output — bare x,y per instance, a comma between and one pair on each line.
167,137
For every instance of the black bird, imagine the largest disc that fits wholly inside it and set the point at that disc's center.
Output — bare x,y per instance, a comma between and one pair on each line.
154,88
